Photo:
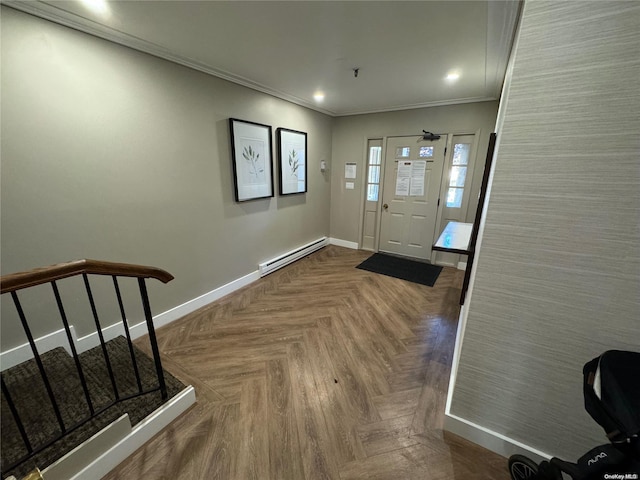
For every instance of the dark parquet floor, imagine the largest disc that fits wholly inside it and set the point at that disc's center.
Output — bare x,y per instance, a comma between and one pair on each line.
317,371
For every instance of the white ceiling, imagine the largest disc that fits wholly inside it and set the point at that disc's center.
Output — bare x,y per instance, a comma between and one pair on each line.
292,49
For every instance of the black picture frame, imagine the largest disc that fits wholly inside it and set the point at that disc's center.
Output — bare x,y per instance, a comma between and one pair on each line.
292,161
251,149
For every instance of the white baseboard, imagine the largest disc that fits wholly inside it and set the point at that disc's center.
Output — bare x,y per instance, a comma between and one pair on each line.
22,353
494,441
186,308
81,457
491,440
446,264
462,265
343,243
141,434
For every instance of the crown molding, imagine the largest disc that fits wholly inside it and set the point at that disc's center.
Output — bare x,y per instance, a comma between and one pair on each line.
51,12
501,28
499,43
413,106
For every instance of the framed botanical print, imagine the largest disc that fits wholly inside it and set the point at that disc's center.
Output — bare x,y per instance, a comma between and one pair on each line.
252,165
292,154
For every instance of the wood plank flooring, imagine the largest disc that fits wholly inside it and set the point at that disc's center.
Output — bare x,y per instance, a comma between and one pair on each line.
318,371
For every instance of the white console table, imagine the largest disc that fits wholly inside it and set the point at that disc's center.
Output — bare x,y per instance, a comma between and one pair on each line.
455,238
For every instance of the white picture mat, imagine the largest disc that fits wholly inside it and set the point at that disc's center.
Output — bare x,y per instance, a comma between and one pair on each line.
293,161
253,176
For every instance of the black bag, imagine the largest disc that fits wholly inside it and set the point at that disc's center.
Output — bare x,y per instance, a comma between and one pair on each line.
612,396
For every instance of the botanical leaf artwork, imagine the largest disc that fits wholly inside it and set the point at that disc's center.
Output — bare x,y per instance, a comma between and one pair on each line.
252,157
293,163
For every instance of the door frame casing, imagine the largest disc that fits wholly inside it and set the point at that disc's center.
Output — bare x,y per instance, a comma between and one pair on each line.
432,255
363,203
443,185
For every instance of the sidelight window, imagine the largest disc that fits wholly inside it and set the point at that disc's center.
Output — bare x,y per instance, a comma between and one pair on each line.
373,178
458,174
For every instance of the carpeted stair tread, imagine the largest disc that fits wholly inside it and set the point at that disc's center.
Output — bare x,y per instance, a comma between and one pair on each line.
29,394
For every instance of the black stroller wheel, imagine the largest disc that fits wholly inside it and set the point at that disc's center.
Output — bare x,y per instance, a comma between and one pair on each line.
522,468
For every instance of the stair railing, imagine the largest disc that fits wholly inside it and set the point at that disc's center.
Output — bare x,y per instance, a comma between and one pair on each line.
12,283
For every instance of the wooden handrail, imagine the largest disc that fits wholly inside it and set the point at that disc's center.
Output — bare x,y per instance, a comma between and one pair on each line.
38,276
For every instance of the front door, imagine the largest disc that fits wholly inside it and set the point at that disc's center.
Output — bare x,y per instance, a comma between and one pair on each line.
413,171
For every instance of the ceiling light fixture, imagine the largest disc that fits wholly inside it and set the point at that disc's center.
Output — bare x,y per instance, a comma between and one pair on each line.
318,96
98,6
452,77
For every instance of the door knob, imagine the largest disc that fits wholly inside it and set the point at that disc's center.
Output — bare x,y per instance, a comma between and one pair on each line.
385,206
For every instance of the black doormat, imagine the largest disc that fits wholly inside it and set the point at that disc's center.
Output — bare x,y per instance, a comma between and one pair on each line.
402,268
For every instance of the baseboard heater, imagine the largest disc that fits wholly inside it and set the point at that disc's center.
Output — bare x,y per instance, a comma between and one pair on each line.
275,263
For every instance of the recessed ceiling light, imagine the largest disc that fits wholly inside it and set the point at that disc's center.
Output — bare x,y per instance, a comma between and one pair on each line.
452,77
98,6
318,96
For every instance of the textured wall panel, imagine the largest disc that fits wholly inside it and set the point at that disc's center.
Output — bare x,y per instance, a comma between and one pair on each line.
558,273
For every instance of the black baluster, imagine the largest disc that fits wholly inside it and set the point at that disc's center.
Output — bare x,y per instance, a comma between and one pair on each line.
76,359
16,417
152,337
99,329
36,357
126,330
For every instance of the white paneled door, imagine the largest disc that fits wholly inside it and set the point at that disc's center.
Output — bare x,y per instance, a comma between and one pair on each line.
413,172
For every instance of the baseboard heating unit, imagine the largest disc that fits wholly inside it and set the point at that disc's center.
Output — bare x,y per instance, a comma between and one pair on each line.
290,257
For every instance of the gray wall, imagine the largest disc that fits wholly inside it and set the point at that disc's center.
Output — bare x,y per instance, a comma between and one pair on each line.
558,272
350,140
112,154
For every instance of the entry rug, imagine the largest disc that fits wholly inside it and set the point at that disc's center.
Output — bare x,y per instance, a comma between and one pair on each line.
402,268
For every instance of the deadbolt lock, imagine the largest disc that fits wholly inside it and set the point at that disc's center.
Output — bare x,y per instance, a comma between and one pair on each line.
385,206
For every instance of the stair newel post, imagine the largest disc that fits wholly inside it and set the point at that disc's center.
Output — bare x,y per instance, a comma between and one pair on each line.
38,360
72,346
152,337
128,334
103,345
16,417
